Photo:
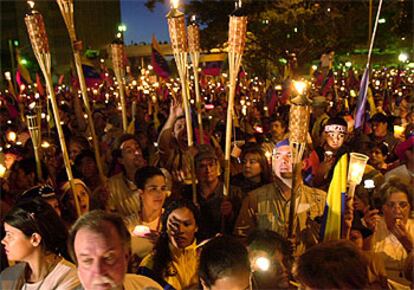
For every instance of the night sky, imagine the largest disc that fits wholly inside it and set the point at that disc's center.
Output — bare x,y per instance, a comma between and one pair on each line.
142,23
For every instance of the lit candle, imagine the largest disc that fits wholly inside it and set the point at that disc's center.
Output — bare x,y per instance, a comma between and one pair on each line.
2,170
7,75
11,136
398,131
268,155
141,231
356,170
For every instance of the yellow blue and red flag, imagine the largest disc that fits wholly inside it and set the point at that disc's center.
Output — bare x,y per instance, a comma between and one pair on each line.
335,202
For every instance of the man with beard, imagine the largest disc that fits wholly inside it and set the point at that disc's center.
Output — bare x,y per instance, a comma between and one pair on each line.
123,193
99,243
267,208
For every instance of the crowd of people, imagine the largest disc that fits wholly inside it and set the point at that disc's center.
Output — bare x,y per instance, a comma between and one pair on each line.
143,225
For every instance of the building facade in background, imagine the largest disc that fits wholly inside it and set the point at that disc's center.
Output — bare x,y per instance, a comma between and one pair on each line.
96,26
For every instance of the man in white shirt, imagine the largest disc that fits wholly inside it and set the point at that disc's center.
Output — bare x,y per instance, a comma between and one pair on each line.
99,243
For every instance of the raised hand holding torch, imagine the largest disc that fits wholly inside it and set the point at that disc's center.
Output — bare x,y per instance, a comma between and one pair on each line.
178,38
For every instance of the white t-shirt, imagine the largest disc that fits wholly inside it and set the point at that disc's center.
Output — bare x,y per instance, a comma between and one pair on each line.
62,277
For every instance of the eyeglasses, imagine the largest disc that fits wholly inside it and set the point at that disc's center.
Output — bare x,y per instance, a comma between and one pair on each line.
401,204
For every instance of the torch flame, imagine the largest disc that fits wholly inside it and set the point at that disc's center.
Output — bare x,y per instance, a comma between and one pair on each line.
31,4
174,4
7,75
299,86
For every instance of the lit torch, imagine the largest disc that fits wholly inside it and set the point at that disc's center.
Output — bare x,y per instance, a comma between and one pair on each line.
40,44
193,31
178,38
236,41
118,65
66,9
298,127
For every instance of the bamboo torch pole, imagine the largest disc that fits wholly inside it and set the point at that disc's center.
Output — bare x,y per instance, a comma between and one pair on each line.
118,53
194,50
66,9
237,40
299,116
40,44
178,37
35,130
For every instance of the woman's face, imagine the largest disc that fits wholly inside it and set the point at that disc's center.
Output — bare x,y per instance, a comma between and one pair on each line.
251,166
377,158
181,227
335,139
154,193
396,209
16,244
179,131
83,198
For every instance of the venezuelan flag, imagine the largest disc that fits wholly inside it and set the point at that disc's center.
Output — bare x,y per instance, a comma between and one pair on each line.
335,202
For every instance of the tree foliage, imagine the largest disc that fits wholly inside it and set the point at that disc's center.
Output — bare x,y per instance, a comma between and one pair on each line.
304,27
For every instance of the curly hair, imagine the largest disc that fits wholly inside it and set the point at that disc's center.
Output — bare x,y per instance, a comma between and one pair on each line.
393,185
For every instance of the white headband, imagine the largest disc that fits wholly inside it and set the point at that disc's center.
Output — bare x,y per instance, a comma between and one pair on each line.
335,128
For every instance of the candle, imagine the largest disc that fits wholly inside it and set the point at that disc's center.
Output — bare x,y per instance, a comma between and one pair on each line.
2,170
141,231
398,131
268,155
356,169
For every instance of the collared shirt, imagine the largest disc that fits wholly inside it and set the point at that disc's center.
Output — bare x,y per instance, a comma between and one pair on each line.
266,208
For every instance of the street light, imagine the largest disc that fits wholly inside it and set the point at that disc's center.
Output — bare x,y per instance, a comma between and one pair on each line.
403,57
122,27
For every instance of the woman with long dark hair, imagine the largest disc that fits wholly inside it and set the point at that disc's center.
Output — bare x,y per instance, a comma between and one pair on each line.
173,264
256,170
36,238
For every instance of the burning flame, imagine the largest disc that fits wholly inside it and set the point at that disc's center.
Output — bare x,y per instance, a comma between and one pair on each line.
31,4
174,4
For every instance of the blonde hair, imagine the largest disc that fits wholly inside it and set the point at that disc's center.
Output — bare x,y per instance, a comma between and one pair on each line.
66,187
